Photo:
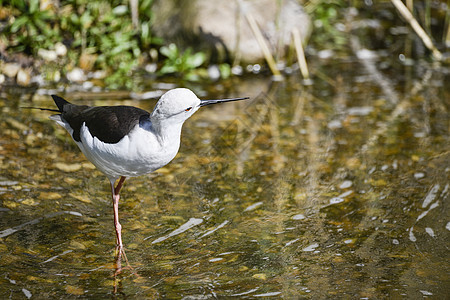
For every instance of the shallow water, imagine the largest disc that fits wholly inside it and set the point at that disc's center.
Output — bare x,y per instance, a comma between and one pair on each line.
335,190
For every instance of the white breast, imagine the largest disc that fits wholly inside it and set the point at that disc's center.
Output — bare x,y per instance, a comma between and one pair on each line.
138,153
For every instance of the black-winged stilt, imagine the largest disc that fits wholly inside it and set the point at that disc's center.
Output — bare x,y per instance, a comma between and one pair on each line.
126,141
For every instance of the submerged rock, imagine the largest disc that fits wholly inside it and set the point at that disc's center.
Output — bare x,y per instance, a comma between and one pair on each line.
67,167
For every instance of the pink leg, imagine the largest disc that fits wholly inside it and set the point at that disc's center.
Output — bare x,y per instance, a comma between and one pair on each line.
115,198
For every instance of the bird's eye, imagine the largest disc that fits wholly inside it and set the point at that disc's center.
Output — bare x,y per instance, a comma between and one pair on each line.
188,109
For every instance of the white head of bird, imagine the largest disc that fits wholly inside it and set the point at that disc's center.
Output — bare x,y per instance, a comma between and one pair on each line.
175,106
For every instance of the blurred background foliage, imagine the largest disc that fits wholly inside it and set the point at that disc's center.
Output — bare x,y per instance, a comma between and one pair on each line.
99,34
102,35
326,15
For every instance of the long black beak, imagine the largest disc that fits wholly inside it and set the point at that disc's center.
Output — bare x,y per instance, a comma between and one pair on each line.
209,102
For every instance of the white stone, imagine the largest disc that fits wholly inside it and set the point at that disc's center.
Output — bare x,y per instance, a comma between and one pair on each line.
60,49
76,75
23,77
48,55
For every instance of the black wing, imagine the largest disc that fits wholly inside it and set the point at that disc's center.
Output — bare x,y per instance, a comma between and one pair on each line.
108,123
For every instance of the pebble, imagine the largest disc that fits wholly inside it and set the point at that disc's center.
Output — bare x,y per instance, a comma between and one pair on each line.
325,54
419,175
82,198
271,294
23,77
360,110
253,206
67,167
73,290
298,217
70,180
76,75
10,204
100,74
27,293
311,247
49,196
260,276
335,124
10,69
16,124
88,165
8,182
48,55
60,49
77,245
430,231
214,72
346,184
216,259
366,54
29,201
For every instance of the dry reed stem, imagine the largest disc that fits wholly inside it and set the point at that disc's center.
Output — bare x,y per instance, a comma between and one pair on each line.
263,45
406,13
134,8
446,35
300,53
410,5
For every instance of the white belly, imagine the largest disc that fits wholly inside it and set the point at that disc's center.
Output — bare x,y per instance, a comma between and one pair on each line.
138,153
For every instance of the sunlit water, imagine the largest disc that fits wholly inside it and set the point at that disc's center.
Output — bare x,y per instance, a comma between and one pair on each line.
335,190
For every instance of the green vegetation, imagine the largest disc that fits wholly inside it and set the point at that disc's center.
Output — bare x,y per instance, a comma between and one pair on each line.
104,31
30,27
182,63
104,35
326,14
98,35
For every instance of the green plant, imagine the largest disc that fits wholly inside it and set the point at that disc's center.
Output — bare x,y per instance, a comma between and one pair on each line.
326,14
30,28
185,64
99,34
105,29
99,29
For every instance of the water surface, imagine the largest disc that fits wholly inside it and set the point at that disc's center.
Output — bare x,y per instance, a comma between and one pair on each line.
335,190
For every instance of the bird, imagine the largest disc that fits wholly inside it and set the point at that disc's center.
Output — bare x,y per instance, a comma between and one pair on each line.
126,141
